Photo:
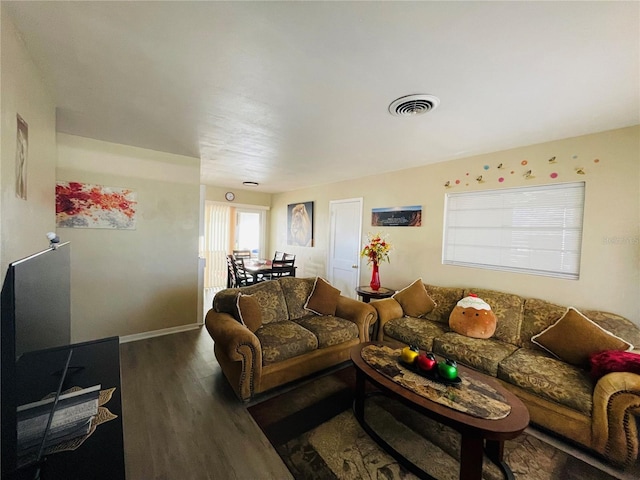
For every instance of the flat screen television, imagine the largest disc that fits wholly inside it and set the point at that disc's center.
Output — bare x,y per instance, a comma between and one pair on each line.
35,315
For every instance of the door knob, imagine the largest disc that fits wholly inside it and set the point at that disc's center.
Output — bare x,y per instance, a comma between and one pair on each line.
354,266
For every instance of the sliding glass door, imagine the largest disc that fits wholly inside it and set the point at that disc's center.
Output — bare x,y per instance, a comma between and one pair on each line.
228,228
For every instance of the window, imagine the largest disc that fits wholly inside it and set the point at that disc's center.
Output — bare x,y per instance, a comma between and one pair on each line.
250,231
535,230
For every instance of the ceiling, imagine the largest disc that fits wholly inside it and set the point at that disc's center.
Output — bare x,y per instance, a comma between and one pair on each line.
295,94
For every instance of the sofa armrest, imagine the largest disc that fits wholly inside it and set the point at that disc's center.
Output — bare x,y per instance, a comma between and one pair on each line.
614,429
230,336
387,309
362,314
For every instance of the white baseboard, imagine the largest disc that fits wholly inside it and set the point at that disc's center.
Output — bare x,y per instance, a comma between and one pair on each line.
158,333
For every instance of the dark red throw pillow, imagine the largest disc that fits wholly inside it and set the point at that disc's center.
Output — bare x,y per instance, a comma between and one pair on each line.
614,361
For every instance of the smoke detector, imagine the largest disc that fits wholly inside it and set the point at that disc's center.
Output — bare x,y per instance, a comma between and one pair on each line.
411,105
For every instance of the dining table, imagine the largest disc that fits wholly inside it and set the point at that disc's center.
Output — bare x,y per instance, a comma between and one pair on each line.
266,268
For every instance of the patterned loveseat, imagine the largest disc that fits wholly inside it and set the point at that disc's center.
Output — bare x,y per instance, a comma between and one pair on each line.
265,337
601,415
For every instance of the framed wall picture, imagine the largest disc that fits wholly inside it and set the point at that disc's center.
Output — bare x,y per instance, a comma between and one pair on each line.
397,216
83,205
300,224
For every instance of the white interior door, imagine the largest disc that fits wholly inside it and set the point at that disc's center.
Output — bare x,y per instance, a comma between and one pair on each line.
344,244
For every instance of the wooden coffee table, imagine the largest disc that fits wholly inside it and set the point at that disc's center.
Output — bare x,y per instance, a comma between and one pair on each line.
478,435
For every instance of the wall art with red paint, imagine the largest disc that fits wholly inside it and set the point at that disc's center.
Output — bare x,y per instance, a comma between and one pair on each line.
82,205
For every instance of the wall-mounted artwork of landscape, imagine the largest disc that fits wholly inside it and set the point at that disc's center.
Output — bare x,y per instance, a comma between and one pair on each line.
397,216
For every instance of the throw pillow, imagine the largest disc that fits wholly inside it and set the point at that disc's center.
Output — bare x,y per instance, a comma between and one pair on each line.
415,300
574,338
473,318
249,313
614,361
323,299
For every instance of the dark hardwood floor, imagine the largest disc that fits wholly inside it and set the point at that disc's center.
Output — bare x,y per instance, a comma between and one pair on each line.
181,419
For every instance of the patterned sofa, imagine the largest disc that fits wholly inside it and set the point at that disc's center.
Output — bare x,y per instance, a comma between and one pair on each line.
562,398
287,341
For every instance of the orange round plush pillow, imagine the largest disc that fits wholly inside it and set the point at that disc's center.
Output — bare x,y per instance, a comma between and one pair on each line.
473,317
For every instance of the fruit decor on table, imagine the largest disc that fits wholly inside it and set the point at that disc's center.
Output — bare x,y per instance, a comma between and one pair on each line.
473,317
409,354
448,369
426,365
426,362
376,251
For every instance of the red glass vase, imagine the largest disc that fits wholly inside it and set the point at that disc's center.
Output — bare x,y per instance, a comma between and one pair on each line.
375,278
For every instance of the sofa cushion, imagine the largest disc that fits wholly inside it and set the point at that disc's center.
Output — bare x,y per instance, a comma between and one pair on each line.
296,291
284,339
329,330
549,378
414,331
481,354
323,299
415,300
445,299
268,294
538,315
248,312
619,326
508,309
574,337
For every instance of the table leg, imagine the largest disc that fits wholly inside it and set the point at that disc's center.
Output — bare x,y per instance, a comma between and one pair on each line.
358,402
471,454
358,411
495,452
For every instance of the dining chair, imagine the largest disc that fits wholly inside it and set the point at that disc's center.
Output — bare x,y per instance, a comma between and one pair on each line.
242,253
231,273
243,278
285,267
278,256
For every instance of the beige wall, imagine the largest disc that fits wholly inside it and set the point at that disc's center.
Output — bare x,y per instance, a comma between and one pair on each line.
24,223
243,197
610,265
126,282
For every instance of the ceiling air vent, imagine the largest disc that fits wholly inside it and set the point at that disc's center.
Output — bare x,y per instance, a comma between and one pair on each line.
411,105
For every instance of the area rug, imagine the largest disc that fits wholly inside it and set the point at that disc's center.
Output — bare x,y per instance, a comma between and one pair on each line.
313,429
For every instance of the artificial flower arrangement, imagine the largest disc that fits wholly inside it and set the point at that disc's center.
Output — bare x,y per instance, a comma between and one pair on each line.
377,250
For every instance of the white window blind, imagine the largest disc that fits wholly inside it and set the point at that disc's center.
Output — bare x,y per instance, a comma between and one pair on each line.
216,244
535,230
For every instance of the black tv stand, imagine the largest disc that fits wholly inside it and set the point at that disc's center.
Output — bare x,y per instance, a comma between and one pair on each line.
71,369
101,456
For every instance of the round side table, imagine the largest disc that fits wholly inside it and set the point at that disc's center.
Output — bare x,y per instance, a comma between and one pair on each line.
367,293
